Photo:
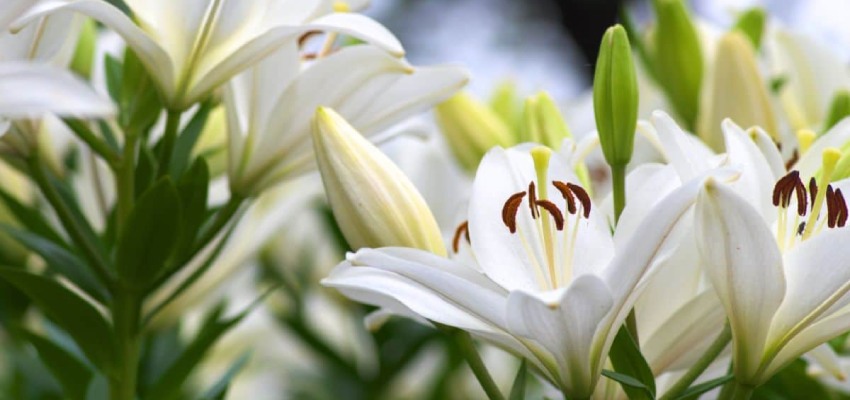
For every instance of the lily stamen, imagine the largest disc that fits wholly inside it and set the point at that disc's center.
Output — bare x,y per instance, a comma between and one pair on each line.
510,209
553,210
462,229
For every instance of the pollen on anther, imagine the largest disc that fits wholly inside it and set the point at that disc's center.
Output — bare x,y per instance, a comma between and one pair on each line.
532,200
462,230
582,197
554,212
802,206
509,210
842,207
832,208
567,194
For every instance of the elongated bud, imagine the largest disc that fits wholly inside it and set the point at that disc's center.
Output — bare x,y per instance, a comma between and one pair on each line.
751,24
734,90
615,97
678,58
506,104
838,109
374,203
471,129
543,122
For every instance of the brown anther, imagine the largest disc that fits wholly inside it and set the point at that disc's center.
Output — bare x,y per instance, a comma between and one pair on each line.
784,187
793,160
813,189
567,194
554,212
306,36
582,197
801,228
842,207
802,206
832,209
532,200
309,56
462,229
510,209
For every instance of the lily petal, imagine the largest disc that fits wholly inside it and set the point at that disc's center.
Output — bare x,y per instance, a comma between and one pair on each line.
566,326
689,157
757,178
744,265
30,90
150,53
355,25
821,262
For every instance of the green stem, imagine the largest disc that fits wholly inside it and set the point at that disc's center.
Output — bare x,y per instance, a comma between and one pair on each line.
69,221
126,311
737,391
172,124
700,366
126,180
96,144
618,187
470,353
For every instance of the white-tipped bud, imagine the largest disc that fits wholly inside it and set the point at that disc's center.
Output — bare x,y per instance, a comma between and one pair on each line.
374,203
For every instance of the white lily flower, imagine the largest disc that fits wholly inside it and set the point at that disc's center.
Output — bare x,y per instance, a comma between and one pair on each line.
547,285
31,90
271,106
50,39
192,47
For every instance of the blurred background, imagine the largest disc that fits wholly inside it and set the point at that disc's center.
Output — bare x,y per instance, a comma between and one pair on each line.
551,43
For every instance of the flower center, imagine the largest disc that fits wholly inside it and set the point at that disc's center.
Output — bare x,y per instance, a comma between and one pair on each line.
556,229
809,204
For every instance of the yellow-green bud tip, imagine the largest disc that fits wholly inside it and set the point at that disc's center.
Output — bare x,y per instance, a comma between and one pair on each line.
805,137
341,7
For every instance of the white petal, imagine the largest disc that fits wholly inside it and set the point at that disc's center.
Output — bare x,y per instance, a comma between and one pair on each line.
29,90
212,74
646,185
745,267
826,358
757,178
689,156
685,336
818,275
771,153
567,327
12,9
150,53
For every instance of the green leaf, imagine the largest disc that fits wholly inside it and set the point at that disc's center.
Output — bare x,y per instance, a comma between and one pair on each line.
176,374
792,382
89,329
192,189
695,391
518,388
145,170
625,380
98,389
73,374
59,259
186,140
113,69
628,361
219,390
30,218
150,236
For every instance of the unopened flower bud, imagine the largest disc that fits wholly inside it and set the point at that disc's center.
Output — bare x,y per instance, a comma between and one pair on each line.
374,203
543,122
471,129
734,90
615,97
678,58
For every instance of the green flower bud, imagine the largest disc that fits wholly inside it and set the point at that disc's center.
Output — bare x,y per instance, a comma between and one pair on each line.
374,203
543,122
615,97
678,59
471,129
506,104
838,109
734,90
84,53
751,24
